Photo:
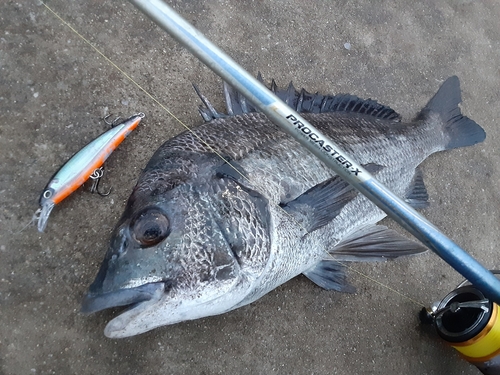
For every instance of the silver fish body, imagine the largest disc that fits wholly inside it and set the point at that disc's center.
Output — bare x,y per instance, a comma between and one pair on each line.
214,226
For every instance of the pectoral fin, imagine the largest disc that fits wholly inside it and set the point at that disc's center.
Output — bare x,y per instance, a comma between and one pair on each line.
323,202
320,204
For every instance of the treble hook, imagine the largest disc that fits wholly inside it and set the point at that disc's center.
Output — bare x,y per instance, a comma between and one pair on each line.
112,123
96,178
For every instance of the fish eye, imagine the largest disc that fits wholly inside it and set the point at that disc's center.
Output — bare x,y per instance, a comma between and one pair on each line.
47,194
150,227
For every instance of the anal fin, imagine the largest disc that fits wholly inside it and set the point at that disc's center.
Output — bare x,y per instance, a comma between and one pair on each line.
375,243
416,195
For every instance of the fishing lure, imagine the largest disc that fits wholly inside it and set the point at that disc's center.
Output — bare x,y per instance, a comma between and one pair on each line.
85,164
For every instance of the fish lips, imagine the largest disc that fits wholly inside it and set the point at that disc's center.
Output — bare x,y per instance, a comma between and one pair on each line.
94,302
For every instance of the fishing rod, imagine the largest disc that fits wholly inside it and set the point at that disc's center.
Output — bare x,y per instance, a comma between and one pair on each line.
300,129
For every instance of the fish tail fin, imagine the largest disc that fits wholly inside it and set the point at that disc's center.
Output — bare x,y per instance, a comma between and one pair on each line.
460,131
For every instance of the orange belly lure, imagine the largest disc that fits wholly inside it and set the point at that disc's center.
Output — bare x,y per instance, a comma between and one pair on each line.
81,166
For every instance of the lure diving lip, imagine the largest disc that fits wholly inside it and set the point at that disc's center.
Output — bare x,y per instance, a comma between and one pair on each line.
81,166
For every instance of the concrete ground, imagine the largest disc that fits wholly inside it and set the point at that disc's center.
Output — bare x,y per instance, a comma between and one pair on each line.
54,90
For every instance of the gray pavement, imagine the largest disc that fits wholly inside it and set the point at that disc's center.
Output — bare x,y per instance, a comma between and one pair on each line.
54,90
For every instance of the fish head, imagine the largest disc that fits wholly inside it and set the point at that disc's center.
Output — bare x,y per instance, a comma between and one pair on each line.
188,246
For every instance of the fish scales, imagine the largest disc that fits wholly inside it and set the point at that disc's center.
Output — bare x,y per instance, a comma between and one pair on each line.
202,235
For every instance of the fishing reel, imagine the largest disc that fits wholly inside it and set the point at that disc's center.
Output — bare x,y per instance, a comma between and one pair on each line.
470,323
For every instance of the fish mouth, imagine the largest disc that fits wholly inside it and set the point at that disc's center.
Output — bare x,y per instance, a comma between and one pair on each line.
132,297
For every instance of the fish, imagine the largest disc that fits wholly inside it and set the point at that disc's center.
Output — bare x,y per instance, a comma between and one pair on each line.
86,163
226,212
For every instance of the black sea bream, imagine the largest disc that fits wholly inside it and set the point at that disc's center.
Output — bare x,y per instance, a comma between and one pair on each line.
202,235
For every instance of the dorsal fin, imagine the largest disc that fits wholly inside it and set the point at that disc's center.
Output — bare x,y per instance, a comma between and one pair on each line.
304,101
300,101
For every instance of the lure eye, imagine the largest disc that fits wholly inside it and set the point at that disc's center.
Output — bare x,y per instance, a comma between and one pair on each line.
46,196
150,227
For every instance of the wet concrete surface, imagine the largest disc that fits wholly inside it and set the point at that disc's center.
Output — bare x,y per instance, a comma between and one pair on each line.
55,89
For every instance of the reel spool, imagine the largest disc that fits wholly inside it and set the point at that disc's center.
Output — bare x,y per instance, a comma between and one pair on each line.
470,323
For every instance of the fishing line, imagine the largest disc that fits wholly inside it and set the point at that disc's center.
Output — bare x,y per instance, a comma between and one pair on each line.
124,73
420,304
332,257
